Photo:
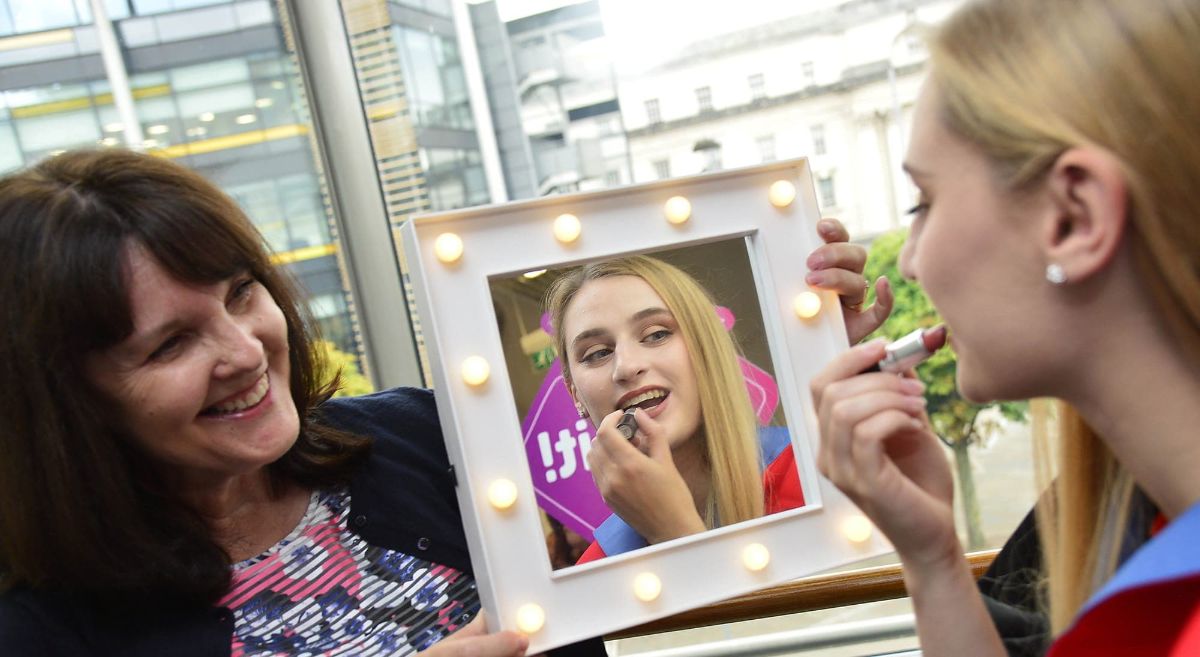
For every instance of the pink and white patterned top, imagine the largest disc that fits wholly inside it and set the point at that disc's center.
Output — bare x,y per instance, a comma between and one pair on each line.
323,590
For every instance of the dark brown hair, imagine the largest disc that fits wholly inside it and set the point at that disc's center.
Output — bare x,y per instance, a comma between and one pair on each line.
81,509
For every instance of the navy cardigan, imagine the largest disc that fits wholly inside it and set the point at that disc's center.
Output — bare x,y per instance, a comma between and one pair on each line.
402,498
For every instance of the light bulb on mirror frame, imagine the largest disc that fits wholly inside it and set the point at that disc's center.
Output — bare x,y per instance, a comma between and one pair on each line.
502,494
475,370
857,529
677,209
448,247
530,618
567,228
756,557
647,587
781,193
807,304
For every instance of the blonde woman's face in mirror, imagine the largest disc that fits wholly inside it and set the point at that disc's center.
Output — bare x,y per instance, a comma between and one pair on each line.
625,349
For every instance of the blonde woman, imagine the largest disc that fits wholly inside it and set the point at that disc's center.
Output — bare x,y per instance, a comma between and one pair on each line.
1057,154
639,334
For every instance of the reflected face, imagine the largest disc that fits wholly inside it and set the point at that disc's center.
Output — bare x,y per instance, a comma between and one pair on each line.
625,349
202,382
972,250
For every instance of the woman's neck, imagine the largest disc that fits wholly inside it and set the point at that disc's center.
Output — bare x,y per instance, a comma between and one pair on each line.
1147,414
249,513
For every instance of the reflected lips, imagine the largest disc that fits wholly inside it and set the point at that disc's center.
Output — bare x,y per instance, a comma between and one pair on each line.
911,350
627,425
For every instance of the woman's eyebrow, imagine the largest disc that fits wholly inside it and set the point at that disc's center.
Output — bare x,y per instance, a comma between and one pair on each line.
650,312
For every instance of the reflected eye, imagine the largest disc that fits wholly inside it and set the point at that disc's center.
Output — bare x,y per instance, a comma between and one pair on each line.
657,336
595,355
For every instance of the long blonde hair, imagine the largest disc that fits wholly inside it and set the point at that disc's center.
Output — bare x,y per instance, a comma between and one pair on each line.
728,422
1025,80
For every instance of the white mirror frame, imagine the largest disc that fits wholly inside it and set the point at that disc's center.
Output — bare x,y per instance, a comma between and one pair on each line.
483,432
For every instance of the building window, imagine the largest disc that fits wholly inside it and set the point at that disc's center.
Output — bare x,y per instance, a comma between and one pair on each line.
704,99
758,87
808,75
818,139
766,148
826,190
652,113
612,178
662,169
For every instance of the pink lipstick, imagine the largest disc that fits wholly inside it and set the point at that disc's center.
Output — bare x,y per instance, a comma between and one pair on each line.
911,350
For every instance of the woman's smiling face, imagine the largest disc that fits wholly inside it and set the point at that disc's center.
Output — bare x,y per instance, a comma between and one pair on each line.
625,348
203,381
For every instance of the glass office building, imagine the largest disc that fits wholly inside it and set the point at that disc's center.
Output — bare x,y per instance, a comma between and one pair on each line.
215,85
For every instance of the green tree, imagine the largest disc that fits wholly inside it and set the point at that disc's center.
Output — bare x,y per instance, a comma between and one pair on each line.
336,361
956,421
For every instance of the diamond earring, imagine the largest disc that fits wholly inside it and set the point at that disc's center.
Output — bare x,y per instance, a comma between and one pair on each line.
1055,274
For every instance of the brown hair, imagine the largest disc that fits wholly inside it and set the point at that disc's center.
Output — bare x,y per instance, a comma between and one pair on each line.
81,509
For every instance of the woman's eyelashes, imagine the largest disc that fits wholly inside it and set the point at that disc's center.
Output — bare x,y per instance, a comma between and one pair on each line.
919,210
168,348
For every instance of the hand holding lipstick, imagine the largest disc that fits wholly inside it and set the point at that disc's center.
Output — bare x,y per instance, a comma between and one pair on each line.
877,447
638,479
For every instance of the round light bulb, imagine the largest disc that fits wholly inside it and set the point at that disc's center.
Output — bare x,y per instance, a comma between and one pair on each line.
807,304
502,493
567,228
448,247
647,587
857,529
756,556
530,618
678,210
475,370
782,193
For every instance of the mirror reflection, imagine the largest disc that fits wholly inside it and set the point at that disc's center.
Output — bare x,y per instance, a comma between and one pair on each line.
673,340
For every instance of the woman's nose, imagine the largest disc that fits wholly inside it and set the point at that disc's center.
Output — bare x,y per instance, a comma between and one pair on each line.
239,348
627,366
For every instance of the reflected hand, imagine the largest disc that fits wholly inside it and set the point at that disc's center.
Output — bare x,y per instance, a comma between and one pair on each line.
838,266
639,481
877,447
473,640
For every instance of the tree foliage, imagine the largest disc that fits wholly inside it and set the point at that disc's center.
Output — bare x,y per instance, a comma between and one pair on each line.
335,361
955,420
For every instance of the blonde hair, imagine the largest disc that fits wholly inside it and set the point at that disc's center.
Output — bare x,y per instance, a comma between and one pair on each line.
1025,80
729,425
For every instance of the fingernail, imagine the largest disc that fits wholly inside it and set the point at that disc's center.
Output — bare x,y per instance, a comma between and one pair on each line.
814,278
816,261
825,226
912,386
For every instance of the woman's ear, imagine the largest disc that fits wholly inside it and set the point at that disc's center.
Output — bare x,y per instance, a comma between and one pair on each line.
1089,212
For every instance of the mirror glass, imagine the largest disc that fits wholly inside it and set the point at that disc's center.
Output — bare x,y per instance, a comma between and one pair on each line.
631,356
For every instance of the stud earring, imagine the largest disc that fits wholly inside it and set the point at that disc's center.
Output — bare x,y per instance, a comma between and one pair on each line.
579,407
1055,274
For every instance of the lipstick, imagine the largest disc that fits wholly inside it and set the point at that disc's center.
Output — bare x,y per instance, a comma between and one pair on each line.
627,425
911,350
